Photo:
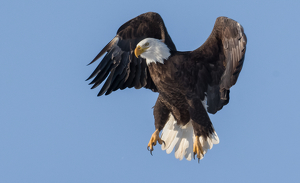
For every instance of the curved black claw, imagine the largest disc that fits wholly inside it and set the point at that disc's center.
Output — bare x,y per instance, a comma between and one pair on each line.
198,160
163,142
150,150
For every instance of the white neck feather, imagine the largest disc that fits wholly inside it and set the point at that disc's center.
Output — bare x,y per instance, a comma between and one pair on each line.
157,51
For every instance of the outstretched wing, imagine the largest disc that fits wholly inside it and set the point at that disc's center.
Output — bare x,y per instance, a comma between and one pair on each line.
224,53
120,67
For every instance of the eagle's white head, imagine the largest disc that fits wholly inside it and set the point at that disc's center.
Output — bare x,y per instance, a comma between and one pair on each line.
153,50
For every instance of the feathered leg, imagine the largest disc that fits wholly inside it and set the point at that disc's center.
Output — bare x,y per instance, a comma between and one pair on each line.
161,116
201,123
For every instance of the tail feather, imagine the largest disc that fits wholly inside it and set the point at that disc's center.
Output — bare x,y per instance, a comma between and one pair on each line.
214,138
176,135
168,134
182,146
189,151
179,146
182,138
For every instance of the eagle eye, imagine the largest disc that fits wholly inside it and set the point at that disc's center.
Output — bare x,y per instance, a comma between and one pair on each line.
147,44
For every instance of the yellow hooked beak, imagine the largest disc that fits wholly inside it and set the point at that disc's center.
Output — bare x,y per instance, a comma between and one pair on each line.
139,50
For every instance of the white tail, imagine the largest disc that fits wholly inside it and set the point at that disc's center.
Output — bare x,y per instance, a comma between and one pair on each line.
182,138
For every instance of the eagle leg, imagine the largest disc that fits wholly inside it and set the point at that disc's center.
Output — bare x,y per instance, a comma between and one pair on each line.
198,148
154,138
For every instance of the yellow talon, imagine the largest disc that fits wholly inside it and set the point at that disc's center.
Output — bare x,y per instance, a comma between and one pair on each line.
154,138
198,148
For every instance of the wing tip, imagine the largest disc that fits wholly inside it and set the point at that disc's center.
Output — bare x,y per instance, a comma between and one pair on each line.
113,42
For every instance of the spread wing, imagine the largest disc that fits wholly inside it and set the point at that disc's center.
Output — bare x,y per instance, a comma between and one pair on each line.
223,53
120,67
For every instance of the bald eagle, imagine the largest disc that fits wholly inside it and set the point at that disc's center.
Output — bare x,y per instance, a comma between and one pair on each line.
189,83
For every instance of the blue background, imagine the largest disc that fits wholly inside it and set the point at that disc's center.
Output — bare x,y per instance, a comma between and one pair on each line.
53,128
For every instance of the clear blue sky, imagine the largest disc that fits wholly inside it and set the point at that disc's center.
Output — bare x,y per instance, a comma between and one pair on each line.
53,128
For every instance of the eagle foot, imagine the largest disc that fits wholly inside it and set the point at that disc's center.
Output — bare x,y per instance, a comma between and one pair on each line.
198,149
154,138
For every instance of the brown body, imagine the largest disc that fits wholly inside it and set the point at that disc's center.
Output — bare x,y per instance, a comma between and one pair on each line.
176,96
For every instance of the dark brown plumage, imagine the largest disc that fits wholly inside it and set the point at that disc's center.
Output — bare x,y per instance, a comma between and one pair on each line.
135,69
183,80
